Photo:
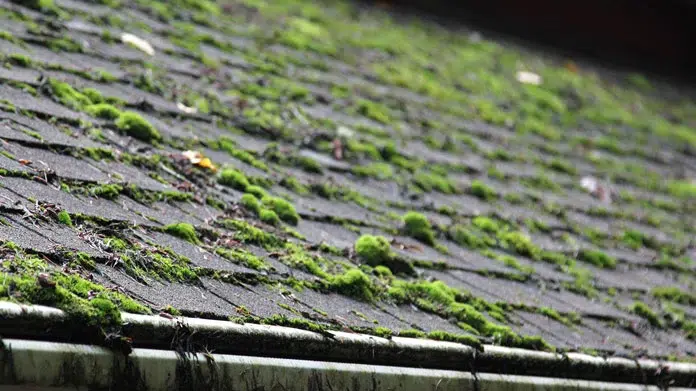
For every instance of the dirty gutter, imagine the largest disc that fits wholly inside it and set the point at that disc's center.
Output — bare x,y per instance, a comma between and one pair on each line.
201,353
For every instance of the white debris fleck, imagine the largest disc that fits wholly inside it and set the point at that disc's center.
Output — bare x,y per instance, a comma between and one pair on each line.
138,42
345,132
589,183
528,78
186,109
602,192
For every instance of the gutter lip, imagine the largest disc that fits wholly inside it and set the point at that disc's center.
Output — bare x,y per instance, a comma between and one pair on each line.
34,322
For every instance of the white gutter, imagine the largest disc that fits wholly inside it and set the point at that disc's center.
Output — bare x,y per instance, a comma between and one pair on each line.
291,357
50,365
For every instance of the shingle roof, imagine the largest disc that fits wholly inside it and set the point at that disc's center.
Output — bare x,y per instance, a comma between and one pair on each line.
222,161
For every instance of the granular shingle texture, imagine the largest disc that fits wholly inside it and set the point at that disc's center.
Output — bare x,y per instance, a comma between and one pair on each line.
224,162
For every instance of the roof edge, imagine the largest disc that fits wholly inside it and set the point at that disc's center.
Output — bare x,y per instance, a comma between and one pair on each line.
194,335
47,366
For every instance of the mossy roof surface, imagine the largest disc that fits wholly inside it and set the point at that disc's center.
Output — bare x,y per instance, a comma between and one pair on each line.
554,216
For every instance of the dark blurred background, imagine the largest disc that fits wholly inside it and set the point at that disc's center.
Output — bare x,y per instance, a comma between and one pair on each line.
654,37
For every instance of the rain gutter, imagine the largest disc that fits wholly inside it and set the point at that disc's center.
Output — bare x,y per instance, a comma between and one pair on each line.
41,348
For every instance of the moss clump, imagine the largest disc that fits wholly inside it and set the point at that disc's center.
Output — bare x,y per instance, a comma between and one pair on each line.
284,209
309,165
269,217
429,181
641,309
468,340
109,191
521,244
674,294
481,190
136,126
103,110
233,178
379,171
244,257
257,191
184,231
412,333
486,224
417,226
373,110
376,251
373,249
354,283
247,233
383,332
636,239
469,238
171,310
251,203
68,96
682,189
20,59
64,218
597,258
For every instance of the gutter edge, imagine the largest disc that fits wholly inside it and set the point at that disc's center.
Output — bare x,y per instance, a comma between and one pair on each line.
155,332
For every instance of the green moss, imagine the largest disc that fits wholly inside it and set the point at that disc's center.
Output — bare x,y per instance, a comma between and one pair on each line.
467,237
541,182
41,5
553,314
64,218
674,294
309,165
68,96
682,189
33,134
412,333
136,126
269,217
641,309
417,226
482,191
84,302
228,145
486,224
8,36
108,191
291,183
374,250
171,310
469,340
354,283
240,256
429,181
373,110
636,239
184,231
233,178
597,258
562,166
20,59
103,110
383,332
284,209
521,244
257,191
247,233
251,203
298,323
380,171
